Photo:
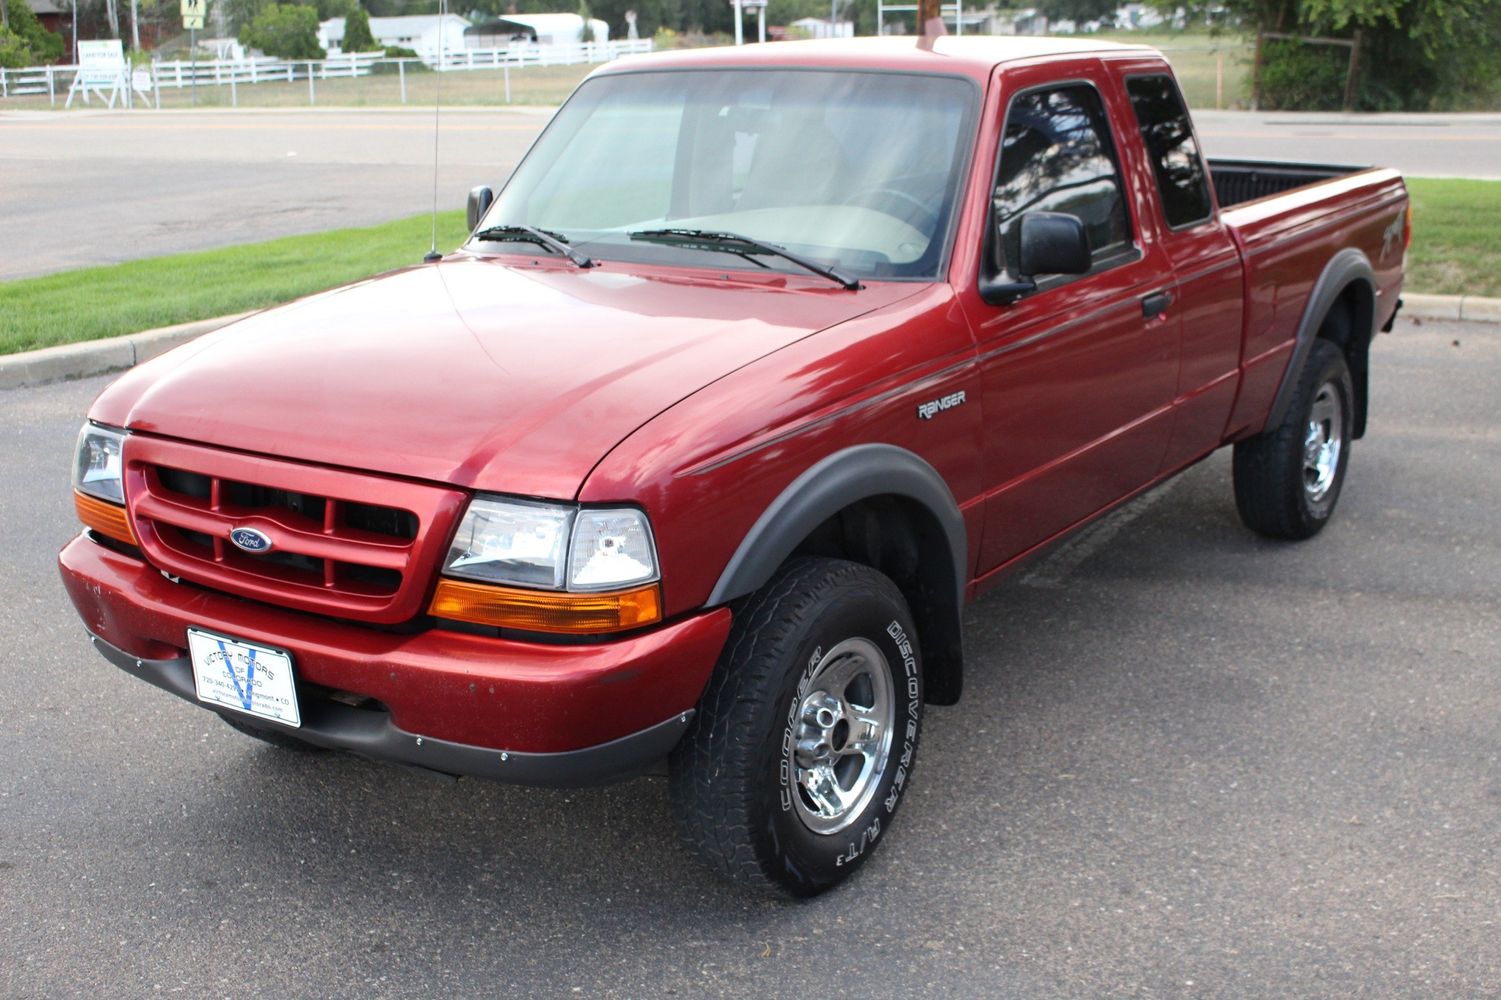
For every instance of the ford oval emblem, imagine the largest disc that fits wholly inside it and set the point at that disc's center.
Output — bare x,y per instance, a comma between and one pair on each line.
250,540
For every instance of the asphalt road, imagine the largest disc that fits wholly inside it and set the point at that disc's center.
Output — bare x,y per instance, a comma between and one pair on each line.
1189,763
96,187
1461,145
99,187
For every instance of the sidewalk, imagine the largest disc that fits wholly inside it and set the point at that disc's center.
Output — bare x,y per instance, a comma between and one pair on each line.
96,357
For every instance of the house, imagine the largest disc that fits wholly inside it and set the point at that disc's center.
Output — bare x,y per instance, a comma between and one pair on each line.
55,15
820,27
424,34
540,29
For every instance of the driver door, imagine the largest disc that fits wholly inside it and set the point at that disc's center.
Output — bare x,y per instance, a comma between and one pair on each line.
1079,375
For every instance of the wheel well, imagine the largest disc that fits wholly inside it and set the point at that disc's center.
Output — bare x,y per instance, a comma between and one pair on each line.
902,539
1349,324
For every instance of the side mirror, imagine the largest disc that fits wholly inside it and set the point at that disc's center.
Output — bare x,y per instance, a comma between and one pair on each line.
1054,243
479,203
1051,243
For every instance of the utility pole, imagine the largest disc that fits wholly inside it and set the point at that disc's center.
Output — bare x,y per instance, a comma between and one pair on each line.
930,18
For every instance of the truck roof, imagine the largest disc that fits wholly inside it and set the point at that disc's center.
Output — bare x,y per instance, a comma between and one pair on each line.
971,55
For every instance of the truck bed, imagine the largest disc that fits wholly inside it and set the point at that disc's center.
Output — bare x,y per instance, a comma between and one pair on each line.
1289,220
1237,181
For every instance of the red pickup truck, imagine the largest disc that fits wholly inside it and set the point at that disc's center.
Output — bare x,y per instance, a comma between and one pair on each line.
762,363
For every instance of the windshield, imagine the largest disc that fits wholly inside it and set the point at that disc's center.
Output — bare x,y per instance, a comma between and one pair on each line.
852,170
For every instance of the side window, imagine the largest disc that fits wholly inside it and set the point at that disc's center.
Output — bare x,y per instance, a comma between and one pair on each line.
1169,138
1056,156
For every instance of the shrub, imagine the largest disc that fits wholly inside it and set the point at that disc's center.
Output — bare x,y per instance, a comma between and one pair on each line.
357,37
1302,77
27,43
286,31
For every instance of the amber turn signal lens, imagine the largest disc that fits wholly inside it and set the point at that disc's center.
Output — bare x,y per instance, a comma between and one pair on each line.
547,611
104,517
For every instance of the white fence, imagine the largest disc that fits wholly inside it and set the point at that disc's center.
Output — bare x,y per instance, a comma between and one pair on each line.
220,72
530,54
55,81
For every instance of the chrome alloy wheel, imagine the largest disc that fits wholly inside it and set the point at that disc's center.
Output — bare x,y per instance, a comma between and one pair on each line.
1322,444
843,738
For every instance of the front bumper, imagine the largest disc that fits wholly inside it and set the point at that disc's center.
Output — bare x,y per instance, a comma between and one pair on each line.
524,712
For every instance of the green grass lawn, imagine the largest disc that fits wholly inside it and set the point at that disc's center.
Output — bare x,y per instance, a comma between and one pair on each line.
1456,249
1213,70
1456,237
139,295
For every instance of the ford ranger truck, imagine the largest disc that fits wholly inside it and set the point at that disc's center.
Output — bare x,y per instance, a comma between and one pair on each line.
762,363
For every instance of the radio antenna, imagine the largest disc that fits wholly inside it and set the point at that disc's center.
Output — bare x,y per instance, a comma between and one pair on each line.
432,251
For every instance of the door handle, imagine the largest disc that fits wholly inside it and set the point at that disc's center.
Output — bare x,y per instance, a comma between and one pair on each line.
1156,304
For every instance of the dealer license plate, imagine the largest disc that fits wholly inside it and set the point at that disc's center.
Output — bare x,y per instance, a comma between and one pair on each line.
244,676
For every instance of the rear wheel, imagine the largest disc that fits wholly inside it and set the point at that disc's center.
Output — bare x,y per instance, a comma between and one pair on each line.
1288,478
804,741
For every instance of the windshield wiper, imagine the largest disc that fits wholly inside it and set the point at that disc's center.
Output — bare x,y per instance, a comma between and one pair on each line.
555,242
705,239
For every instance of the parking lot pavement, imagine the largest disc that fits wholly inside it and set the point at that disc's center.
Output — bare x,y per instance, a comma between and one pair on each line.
1189,762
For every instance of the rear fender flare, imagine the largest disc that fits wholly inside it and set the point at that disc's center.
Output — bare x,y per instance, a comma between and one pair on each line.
1349,266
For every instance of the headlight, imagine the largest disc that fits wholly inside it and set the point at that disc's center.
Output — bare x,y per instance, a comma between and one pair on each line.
511,541
550,568
552,546
611,548
97,466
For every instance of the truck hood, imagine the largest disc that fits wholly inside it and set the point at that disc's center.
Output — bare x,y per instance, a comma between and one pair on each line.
474,372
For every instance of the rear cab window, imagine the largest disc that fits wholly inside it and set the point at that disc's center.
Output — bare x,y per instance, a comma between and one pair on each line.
1167,132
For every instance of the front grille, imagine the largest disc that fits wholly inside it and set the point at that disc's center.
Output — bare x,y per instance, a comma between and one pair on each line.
343,543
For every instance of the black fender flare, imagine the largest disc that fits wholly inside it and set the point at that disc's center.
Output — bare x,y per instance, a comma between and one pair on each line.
1345,268
827,487
847,477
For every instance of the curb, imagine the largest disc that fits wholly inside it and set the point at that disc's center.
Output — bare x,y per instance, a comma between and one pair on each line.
95,357
1463,307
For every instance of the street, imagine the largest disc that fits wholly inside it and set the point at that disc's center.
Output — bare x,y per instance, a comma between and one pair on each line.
1189,763
101,187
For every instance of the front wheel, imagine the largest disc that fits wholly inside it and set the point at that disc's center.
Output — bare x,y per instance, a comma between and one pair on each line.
1288,478
805,738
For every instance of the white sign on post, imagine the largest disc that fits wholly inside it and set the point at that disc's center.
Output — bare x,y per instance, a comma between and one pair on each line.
192,22
101,67
194,8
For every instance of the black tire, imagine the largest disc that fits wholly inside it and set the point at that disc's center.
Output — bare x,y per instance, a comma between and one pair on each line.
1279,490
820,628
277,739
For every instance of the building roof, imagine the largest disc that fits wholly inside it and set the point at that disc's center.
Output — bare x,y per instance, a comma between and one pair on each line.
47,7
414,24
546,24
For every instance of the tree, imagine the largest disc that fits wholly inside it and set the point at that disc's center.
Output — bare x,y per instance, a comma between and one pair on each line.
357,36
25,42
1414,54
586,33
284,30
333,8
1079,11
240,13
